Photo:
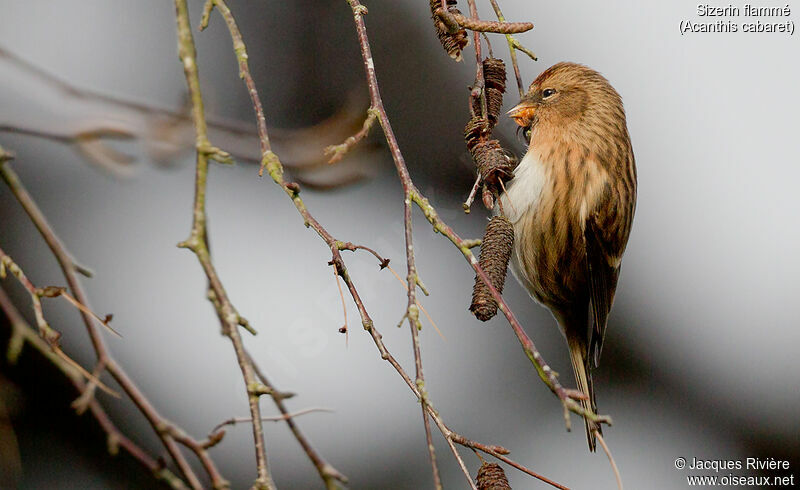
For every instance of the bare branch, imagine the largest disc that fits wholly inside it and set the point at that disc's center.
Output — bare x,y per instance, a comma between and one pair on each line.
512,52
330,475
159,424
197,239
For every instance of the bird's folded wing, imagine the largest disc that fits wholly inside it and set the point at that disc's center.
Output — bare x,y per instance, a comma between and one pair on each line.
605,238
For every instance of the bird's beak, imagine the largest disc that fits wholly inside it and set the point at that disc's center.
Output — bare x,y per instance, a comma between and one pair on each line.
523,113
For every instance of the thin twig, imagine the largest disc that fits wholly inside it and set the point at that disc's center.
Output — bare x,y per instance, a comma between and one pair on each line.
468,203
513,46
500,452
610,459
45,330
52,292
198,240
270,161
343,328
412,278
422,308
330,475
477,92
277,418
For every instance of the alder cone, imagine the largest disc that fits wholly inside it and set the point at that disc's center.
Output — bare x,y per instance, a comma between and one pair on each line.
498,241
492,477
452,41
494,75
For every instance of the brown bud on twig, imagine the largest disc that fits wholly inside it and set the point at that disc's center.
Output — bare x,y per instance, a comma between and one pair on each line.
498,241
453,37
492,477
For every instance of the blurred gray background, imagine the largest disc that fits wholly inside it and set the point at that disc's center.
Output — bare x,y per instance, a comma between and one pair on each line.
701,356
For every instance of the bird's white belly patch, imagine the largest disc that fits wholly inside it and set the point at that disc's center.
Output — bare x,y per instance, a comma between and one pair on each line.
525,189
522,199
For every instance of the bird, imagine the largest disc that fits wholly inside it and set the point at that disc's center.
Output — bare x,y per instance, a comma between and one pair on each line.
571,203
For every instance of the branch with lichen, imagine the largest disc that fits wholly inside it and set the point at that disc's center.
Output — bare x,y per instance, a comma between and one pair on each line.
198,242
513,46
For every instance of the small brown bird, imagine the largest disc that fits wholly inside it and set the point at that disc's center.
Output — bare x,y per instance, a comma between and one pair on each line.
571,202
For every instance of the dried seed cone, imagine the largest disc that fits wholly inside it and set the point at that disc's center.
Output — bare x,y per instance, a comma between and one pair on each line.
476,131
494,73
494,104
492,162
452,42
492,477
498,241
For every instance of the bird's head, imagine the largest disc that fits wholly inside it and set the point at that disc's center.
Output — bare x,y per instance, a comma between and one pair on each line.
564,94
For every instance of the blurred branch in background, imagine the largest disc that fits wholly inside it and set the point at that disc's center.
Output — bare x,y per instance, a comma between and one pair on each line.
96,124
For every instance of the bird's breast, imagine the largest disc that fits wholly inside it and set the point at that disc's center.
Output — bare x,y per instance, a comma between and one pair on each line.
519,204
548,202
525,190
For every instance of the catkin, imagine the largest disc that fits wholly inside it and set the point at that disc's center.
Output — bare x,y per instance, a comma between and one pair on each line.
492,477
498,241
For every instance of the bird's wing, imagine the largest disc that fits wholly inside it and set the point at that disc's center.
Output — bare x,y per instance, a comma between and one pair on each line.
605,234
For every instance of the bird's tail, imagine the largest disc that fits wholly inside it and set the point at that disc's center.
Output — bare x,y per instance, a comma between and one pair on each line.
583,377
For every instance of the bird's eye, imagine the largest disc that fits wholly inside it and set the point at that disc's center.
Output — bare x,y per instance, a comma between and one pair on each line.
548,92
